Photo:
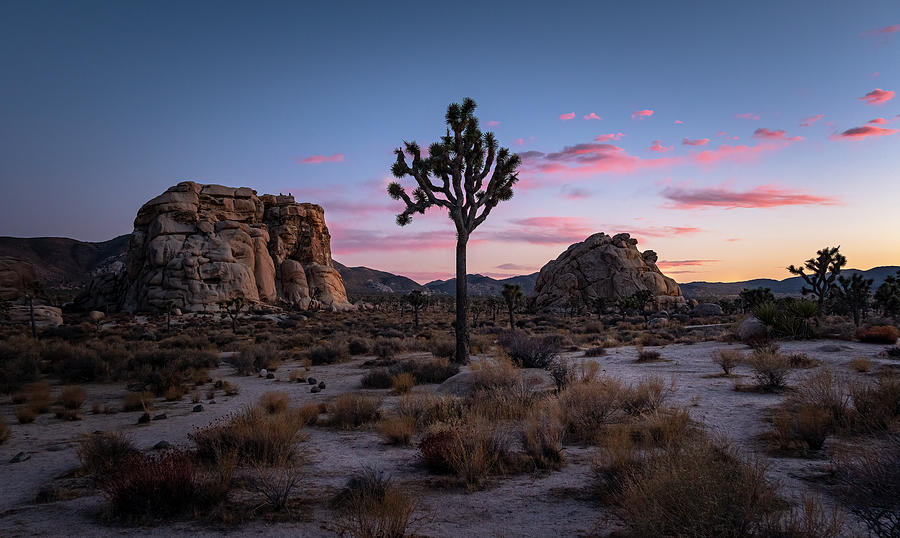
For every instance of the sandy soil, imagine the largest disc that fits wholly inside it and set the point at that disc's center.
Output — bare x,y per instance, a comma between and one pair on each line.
541,504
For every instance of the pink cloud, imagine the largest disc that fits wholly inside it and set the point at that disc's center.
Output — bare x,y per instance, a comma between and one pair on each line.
316,159
608,137
574,193
875,74
696,142
747,116
516,267
493,123
677,122
806,122
878,96
683,263
778,134
739,153
763,196
866,131
659,147
641,114
733,239
547,230
351,240
882,31
568,116
592,116
877,121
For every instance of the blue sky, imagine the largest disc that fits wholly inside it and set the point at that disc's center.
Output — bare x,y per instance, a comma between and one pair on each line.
106,104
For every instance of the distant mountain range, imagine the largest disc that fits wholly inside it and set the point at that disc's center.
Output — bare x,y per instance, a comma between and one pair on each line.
68,262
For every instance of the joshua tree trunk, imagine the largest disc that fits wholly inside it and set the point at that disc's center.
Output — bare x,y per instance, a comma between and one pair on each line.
31,314
462,303
512,319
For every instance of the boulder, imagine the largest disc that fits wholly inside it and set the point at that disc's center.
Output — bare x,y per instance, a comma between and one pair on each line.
44,316
95,315
707,309
603,267
751,329
195,246
15,275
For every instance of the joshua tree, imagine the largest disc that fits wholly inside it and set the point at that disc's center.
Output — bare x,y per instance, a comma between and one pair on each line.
512,294
33,290
852,294
600,305
887,296
233,309
466,173
751,298
636,302
416,300
825,268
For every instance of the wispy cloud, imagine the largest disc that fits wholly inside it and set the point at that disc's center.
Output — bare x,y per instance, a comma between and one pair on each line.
892,29
316,159
592,116
777,134
695,142
878,96
516,267
608,137
641,114
866,131
659,147
683,263
547,230
677,122
877,121
763,196
493,123
807,122
568,116
747,116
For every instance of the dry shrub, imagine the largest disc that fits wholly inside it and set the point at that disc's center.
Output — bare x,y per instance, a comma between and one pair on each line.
26,414
648,355
472,449
371,506
426,409
802,361
36,396
647,396
379,378
595,351
5,431
428,371
800,429
879,334
352,410
809,519
174,393
728,359
588,407
397,430
255,358
72,397
144,486
138,401
663,428
542,436
403,383
700,488
102,452
529,351
494,373
230,389
860,364
274,402
276,484
877,404
829,392
359,346
512,402
327,354
770,368
617,458
442,347
868,483
254,435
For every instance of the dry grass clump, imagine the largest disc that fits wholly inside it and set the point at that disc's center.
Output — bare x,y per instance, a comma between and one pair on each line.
26,414
728,359
100,453
274,402
868,483
647,395
352,410
472,449
254,436
403,383
803,428
72,397
359,346
145,486
18,363
138,401
230,389
595,351
371,506
378,378
494,373
770,368
255,358
587,408
530,351
426,409
512,402
398,430
428,371
860,364
276,485
648,355
879,334
328,353
877,405
5,431
35,395
542,436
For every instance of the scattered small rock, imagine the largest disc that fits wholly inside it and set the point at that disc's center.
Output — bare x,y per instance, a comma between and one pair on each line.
270,375
311,380
161,416
263,373
198,408
321,385
315,389
21,456
145,418
162,445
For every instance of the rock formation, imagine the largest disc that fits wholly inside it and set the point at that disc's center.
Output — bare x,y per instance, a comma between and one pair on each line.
195,246
603,267
15,275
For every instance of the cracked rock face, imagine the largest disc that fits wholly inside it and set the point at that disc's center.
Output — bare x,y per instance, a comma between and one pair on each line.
603,266
195,246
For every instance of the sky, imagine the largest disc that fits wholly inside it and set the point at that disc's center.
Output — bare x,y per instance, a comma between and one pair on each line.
733,138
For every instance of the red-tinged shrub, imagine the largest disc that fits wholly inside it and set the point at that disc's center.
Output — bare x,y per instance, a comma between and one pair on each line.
879,334
434,450
153,486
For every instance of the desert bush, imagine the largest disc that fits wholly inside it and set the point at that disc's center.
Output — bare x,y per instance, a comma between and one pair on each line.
876,404
5,431
102,452
728,359
595,351
397,430
403,383
428,371
427,408
868,483
662,427
442,347
79,364
770,368
508,402
144,486
493,373
803,428
138,401
879,334
18,366
808,519
542,436
352,410
359,346
26,414
472,449
529,351
562,373
588,407
386,348
646,396
255,358
254,435
617,458
827,391
327,354
378,378
274,402
802,361
72,397
36,396
159,369
700,488
276,484
230,389
174,393
371,506
861,364
648,355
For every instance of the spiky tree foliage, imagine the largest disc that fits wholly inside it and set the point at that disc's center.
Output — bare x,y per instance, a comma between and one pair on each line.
887,296
751,298
466,173
853,294
824,269
636,302
417,300
233,309
512,294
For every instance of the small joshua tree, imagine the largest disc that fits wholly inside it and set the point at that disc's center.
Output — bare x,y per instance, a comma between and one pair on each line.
512,294
824,269
852,294
887,296
466,173
233,309
416,300
750,298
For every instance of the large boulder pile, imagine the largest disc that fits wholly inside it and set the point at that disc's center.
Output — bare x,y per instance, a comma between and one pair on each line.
195,246
607,267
